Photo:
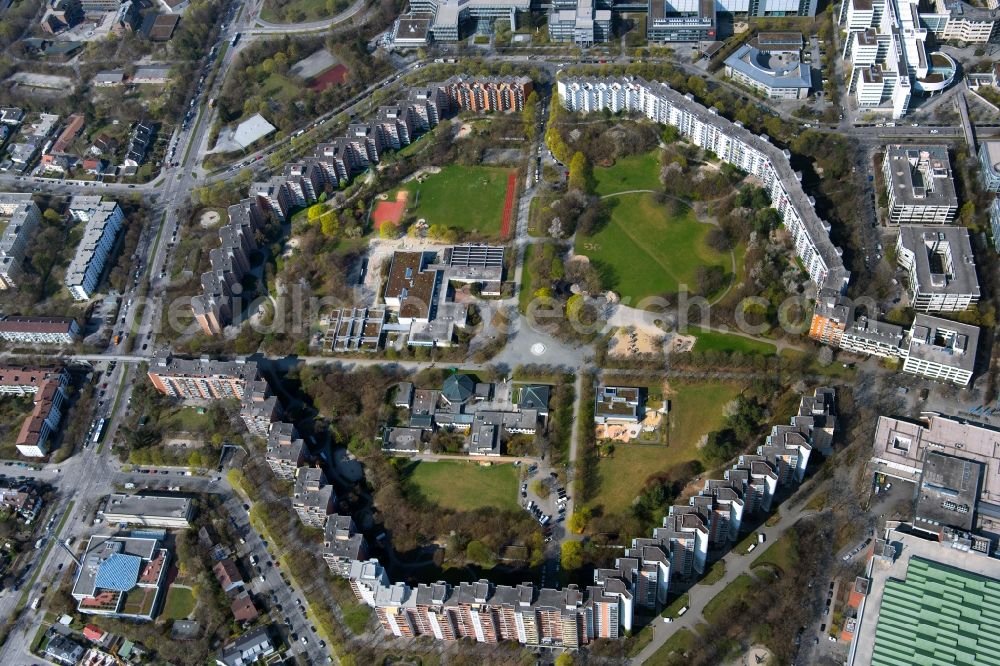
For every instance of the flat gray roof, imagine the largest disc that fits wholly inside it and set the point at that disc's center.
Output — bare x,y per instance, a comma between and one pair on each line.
943,262
769,70
921,175
943,341
152,506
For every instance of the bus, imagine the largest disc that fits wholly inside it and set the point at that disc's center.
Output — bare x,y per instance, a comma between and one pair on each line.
236,38
98,430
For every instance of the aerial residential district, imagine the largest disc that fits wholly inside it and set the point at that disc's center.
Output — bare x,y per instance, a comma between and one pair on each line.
461,332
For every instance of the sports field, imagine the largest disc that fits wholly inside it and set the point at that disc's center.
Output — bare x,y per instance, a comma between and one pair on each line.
467,198
465,486
643,252
638,172
695,410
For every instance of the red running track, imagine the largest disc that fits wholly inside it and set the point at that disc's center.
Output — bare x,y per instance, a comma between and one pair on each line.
508,204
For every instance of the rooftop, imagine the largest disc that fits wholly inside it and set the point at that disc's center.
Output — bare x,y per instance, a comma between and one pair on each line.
942,259
148,506
770,70
949,343
933,604
921,175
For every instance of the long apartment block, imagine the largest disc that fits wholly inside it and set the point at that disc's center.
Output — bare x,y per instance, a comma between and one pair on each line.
48,386
204,379
640,580
21,218
932,347
103,221
732,143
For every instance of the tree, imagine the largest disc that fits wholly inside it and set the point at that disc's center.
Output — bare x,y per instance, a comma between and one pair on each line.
330,224
315,212
565,659
572,555
52,216
825,356
574,306
388,230
479,554
578,521
579,172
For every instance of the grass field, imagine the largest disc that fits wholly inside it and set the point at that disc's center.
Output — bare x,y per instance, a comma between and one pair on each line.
715,341
642,252
714,573
781,554
638,172
179,603
680,642
677,604
465,486
720,605
527,281
187,419
695,410
300,11
356,617
467,198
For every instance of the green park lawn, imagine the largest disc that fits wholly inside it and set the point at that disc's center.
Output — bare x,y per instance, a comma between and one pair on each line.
638,172
781,554
467,198
642,252
179,603
299,11
187,419
695,410
682,641
719,606
715,341
465,486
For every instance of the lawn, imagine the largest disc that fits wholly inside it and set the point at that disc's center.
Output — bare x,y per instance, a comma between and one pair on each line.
187,419
695,410
720,605
680,642
643,252
715,341
527,281
465,486
714,574
638,172
678,603
467,198
300,11
782,554
356,617
179,603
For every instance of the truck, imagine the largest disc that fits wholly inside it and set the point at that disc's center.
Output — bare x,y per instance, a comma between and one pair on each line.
35,602
682,611
761,538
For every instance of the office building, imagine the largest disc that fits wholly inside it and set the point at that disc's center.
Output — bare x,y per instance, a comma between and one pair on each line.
919,184
773,75
168,511
580,22
733,144
955,20
995,222
103,220
39,330
989,165
681,21
886,45
942,350
21,218
940,267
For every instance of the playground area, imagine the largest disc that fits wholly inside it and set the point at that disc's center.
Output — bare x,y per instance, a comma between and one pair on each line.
387,210
628,342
